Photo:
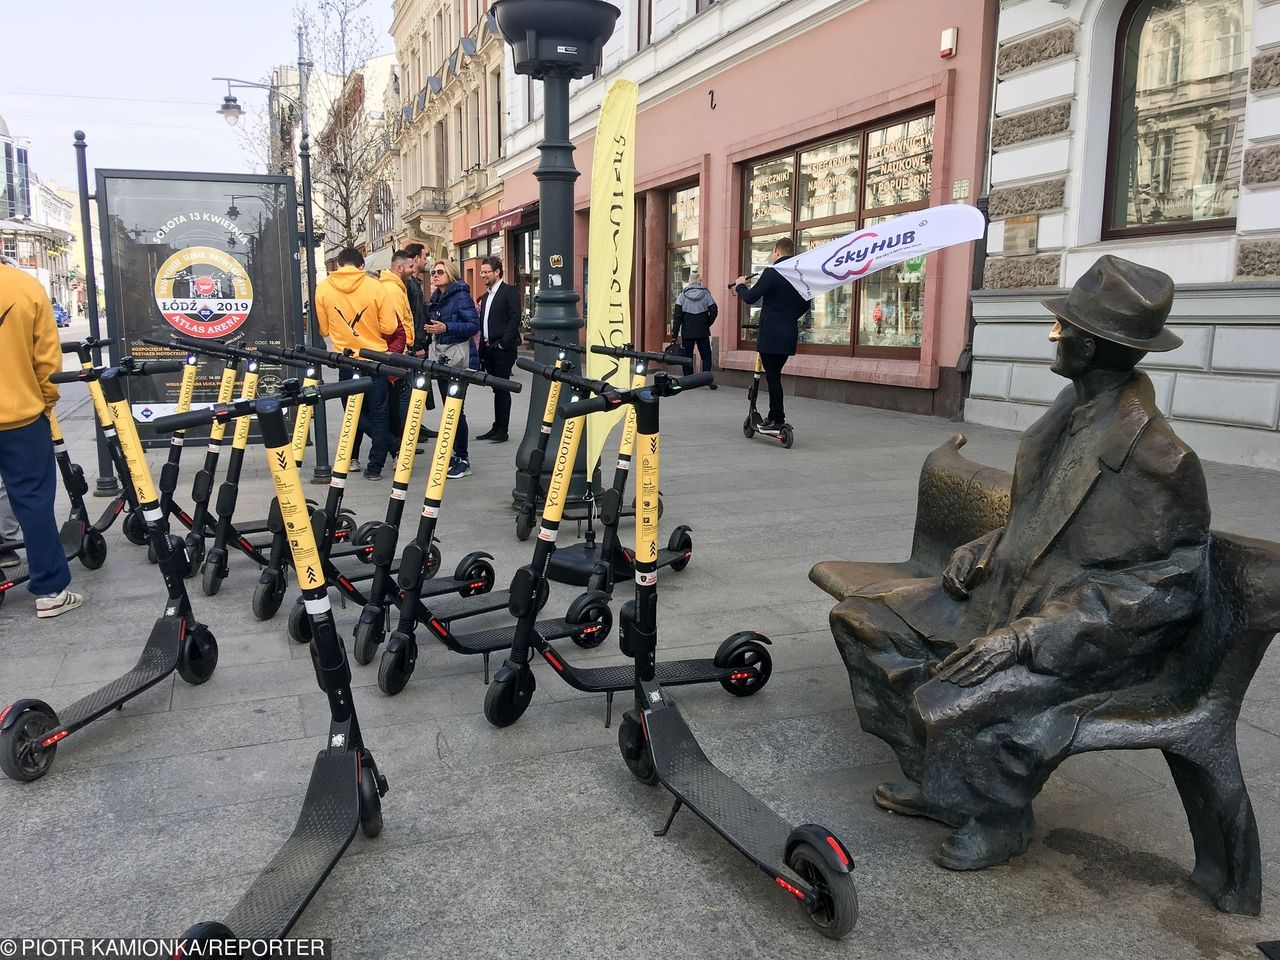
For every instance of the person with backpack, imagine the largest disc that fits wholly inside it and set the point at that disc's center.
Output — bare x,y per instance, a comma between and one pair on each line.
695,311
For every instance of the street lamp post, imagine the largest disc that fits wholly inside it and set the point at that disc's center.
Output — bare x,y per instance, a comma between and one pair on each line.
231,112
554,41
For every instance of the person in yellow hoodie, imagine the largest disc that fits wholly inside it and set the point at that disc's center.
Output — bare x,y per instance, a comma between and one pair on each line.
354,311
395,282
29,354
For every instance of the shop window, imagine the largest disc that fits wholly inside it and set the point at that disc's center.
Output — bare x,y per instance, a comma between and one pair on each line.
1177,116
828,190
682,239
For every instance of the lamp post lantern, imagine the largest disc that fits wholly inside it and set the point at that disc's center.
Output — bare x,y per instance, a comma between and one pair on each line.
231,112
554,41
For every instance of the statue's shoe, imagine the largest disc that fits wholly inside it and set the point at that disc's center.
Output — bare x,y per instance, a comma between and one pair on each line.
906,799
976,845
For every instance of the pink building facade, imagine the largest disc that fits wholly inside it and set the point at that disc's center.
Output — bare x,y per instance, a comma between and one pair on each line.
808,119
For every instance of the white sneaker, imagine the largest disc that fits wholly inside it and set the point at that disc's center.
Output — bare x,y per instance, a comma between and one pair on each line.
58,604
353,466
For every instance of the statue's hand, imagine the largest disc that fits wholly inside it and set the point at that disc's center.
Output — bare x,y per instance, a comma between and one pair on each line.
983,657
959,568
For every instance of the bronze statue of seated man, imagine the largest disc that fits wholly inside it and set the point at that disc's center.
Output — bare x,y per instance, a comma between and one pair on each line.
978,678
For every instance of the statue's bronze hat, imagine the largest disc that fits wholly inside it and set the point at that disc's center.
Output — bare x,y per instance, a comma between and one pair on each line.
1121,301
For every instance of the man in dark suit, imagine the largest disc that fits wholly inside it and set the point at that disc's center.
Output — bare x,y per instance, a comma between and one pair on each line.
779,325
979,678
499,338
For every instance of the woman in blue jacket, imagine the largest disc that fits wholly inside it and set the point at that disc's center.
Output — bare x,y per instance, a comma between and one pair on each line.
453,322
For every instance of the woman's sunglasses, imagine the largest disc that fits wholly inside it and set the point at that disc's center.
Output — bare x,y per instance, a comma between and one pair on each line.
438,273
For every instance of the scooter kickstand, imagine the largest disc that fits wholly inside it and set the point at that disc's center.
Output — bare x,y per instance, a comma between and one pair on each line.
608,708
486,668
667,826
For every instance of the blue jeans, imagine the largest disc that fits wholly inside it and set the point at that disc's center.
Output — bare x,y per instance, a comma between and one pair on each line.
30,478
375,420
460,434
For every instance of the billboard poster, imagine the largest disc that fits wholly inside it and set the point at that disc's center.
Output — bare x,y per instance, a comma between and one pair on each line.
209,256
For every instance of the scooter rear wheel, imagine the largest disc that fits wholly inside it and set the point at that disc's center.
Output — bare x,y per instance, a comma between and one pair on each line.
93,553
635,749
787,437
204,932
22,758
836,911
752,659
681,542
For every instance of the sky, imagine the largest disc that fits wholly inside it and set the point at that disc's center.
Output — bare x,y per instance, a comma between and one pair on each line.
134,75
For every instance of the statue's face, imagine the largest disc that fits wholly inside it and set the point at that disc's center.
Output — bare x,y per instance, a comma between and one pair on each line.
1075,350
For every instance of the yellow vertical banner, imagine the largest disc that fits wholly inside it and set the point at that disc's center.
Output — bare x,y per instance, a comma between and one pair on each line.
610,247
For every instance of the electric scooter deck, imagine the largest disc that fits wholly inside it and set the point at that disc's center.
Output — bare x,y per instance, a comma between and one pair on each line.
30,729
326,826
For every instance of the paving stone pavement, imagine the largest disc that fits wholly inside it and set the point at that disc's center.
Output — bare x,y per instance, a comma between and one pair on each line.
534,841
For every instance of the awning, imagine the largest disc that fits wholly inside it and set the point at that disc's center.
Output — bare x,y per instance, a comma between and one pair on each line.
380,259
503,221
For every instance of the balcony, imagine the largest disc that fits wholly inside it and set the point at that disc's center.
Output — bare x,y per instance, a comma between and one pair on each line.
470,185
427,201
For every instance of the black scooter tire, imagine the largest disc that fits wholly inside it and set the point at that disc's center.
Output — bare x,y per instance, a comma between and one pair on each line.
212,576
787,437
299,624
93,553
635,749
370,805
21,756
836,912
524,526
394,671
135,528
198,657
503,702
366,639
268,596
748,430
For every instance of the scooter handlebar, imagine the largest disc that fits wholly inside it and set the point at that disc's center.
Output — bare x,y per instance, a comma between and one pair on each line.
664,386
128,367
675,359
240,408
554,343
478,377
564,376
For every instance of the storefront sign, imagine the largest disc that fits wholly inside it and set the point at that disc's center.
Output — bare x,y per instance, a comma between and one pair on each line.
867,251
207,256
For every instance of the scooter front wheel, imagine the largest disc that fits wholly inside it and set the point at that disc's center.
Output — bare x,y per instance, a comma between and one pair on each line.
507,699
394,670
268,595
135,528
367,638
94,552
299,624
524,524
22,756
635,749
836,910
748,430
198,657
370,804
215,571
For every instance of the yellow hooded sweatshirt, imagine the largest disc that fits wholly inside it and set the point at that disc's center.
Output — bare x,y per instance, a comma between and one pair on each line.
354,311
29,349
398,293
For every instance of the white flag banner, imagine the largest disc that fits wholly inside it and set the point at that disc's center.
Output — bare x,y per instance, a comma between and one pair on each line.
871,249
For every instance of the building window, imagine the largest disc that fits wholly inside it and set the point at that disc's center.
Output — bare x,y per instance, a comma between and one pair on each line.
1177,117
682,239
827,190
703,5
644,24
9,247
496,124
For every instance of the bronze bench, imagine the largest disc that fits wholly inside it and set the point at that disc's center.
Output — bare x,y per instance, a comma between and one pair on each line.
959,501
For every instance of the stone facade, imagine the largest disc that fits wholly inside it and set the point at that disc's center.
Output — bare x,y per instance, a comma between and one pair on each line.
1028,198
1010,273
1261,164
1258,260
1050,45
1265,73
1033,125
